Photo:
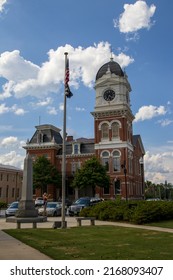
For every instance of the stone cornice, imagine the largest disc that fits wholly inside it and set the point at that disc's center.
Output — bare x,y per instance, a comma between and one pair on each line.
42,146
77,156
109,113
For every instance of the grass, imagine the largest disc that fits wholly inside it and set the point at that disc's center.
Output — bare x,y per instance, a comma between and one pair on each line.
98,243
164,224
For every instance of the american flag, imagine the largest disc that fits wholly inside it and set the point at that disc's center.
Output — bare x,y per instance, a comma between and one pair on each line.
67,74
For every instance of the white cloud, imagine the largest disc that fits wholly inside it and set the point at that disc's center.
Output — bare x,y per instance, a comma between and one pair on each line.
14,67
52,111
135,17
11,151
14,109
6,90
2,4
12,158
61,107
158,165
47,101
3,109
165,122
25,78
11,140
149,112
20,112
80,109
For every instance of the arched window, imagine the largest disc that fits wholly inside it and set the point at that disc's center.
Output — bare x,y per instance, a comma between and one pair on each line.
115,130
105,160
116,161
105,131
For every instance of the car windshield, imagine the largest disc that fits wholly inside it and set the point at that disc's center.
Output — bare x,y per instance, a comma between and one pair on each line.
51,205
14,205
82,201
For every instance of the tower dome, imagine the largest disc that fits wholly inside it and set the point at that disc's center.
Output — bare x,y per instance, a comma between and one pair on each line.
111,66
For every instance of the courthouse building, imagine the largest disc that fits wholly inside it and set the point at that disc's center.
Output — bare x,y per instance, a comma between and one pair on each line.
113,142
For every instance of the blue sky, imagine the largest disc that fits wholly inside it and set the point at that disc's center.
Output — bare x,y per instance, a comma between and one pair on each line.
34,34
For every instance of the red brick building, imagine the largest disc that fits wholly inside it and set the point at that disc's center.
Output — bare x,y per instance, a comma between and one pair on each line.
114,144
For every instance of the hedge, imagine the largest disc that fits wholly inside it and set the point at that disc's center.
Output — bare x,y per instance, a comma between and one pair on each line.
3,205
137,212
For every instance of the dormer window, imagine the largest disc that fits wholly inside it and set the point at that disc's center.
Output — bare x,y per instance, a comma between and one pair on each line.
40,137
76,148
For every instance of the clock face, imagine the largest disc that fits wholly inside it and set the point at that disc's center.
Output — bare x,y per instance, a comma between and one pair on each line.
109,95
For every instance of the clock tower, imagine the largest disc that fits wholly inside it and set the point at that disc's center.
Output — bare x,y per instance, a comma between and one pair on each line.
114,139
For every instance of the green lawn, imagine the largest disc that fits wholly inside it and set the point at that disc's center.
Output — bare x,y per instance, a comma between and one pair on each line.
164,224
99,242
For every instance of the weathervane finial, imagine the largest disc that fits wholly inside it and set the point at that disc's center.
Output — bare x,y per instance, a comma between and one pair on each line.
111,58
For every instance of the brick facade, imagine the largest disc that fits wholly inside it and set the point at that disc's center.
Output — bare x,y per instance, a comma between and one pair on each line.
10,183
114,143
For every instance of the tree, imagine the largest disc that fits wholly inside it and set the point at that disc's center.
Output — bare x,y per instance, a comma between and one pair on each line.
91,174
44,173
162,191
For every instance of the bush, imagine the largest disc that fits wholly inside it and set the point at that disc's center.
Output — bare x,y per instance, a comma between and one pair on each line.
138,212
3,205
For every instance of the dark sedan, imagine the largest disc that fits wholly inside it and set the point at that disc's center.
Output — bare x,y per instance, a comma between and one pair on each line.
81,203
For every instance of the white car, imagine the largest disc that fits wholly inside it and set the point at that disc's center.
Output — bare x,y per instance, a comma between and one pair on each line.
39,201
11,210
53,209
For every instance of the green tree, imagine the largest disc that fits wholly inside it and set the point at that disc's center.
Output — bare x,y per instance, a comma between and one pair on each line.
91,174
44,173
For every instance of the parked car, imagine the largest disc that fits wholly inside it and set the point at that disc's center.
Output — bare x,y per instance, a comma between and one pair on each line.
11,210
153,199
68,202
39,201
81,203
53,209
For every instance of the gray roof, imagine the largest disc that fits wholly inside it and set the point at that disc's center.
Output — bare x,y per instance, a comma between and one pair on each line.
137,138
114,68
50,134
9,167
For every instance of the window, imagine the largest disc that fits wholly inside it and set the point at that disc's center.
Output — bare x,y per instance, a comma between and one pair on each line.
117,187
75,166
0,192
105,160
130,163
18,192
76,148
115,130
105,131
13,191
7,191
106,190
116,161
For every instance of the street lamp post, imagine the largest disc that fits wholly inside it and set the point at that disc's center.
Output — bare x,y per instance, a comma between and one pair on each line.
125,176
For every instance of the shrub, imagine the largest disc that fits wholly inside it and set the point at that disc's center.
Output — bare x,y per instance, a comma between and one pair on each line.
138,212
3,205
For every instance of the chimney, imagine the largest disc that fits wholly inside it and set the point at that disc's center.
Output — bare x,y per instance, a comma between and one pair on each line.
69,138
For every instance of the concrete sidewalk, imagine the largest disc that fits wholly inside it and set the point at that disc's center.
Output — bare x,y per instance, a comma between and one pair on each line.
13,249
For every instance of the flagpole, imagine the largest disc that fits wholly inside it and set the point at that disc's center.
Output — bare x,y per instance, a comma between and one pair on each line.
63,222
